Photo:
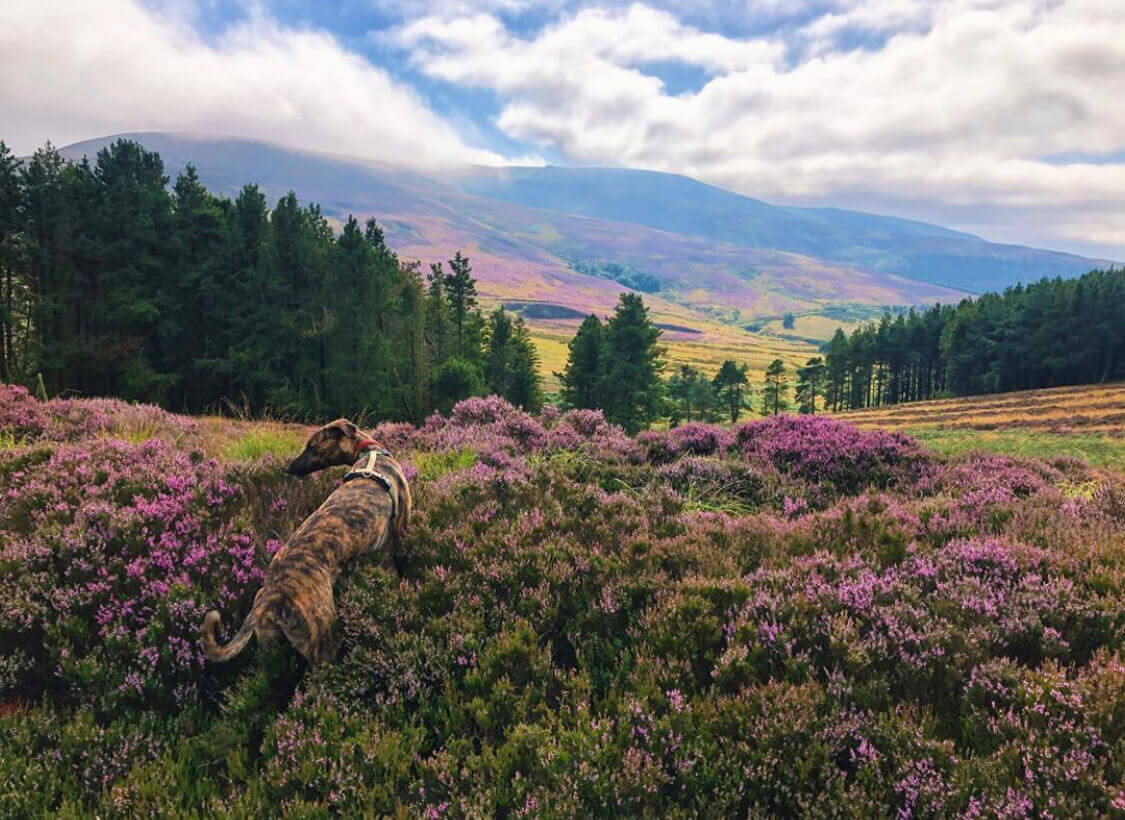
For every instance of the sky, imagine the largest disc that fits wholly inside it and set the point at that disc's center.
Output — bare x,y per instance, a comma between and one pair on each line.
1000,117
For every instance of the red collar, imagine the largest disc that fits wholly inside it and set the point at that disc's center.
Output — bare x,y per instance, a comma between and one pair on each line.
366,444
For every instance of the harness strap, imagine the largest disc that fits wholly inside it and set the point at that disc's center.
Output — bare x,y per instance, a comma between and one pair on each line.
367,470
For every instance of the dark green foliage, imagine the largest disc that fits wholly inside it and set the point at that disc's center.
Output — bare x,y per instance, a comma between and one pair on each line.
731,386
1052,333
776,386
810,384
789,321
511,362
692,396
631,389
461,290
616,367
584,365
625,275
453,380
14,338
112,284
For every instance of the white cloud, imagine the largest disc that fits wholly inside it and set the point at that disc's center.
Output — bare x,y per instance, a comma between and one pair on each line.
958,103
75,70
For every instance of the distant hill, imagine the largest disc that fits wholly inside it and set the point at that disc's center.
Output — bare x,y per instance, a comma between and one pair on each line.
566,241
681,205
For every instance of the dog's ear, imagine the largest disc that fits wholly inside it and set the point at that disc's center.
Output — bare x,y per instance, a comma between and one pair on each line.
347,429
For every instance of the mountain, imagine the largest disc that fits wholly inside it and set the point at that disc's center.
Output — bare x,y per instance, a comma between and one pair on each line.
685,206
557,243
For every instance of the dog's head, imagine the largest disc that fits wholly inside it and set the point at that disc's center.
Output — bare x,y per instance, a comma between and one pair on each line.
333,445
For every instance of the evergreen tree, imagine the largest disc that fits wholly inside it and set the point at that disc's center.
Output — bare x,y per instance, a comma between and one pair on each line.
584,365
524,386
461,290
14,294
836,372
631,390
810,384
133,223
191,302
773,394
498,352
455,380
438,320
730,384
682,393
252,297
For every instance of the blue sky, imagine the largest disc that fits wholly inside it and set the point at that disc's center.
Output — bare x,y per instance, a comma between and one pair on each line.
992,116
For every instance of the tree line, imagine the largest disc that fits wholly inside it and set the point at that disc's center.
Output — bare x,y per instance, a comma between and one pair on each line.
113,284
1051,333
617,366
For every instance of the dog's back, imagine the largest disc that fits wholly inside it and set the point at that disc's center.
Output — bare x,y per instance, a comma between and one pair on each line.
296,597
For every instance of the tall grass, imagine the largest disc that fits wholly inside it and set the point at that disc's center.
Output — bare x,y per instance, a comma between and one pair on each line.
1097,451
257,443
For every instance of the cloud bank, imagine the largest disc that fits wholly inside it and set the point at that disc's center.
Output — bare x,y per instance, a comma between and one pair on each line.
75,70
961,107
1001,117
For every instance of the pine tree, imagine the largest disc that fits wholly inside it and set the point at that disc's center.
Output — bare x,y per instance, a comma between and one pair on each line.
730,385
13,286
461,290
681,390
583,373
498,352
631,389
836,371
193,298
252,298
524,388
133,221
454,380
810,384
773,394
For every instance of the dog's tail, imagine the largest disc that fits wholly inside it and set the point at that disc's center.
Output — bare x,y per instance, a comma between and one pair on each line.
212,622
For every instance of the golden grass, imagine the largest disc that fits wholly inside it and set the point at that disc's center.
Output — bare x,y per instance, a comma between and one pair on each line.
708,354
1097,451
1093,409
1086,422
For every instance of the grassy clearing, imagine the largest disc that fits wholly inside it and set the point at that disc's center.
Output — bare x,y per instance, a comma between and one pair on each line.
708,354
1098,451
255,444
434,465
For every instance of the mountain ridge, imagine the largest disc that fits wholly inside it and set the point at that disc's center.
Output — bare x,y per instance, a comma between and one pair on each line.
716,261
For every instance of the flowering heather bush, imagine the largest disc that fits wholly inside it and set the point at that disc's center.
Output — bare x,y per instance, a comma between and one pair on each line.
693,438
823,450
23,418
792,618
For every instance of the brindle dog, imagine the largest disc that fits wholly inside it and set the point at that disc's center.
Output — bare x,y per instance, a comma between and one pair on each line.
370,509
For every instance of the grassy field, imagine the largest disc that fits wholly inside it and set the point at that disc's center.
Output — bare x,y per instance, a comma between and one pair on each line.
1086,422
708,354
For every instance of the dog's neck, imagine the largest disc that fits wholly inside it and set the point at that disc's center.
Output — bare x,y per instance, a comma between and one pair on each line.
365,445
367,453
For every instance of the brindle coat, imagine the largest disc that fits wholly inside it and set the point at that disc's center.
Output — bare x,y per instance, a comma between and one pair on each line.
296,597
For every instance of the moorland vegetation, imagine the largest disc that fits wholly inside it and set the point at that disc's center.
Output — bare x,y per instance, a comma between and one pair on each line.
792,616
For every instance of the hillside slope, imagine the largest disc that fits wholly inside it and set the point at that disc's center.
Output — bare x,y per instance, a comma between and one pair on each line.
558,243
681,205
749,622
